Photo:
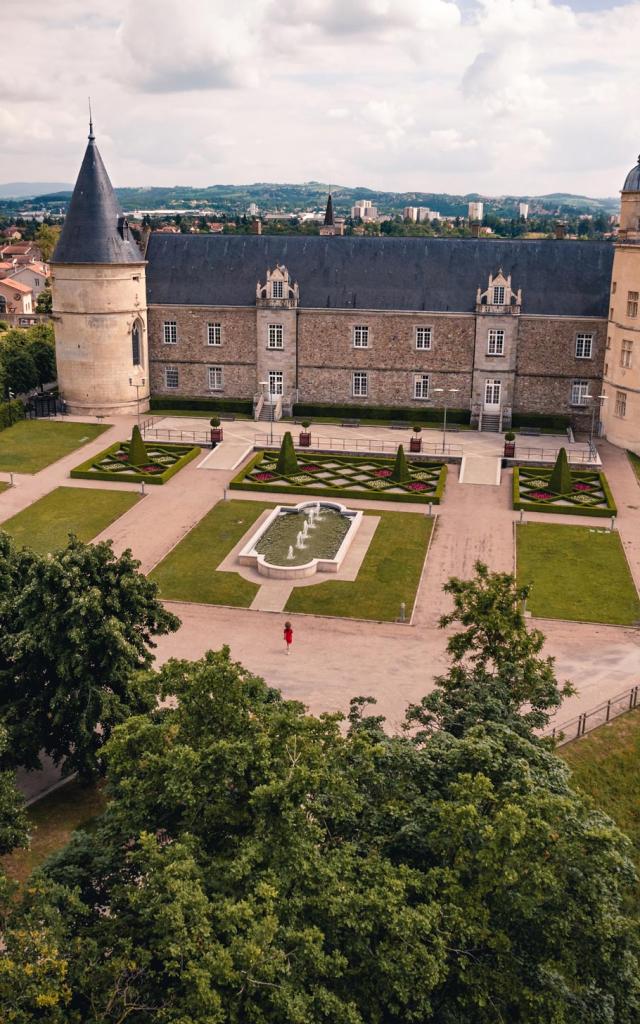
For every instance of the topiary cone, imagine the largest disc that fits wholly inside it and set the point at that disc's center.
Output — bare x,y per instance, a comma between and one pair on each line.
287,459
560,479
400,468
137,452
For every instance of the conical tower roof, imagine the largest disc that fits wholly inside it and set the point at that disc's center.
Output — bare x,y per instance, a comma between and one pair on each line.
328,217
632,183
95,229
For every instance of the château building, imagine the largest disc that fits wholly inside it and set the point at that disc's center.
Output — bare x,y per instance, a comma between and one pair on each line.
490,326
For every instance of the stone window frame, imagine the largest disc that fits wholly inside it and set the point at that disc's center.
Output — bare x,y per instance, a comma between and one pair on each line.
171,373
170,332
360,336
277,289
499,293
584,345
420,392
275,336
495,341
626,353
215,373
136,343
428,338
359,384
632,304
579,392
214,331
621,404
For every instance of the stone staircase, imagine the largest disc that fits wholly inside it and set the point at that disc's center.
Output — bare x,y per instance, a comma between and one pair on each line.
490,424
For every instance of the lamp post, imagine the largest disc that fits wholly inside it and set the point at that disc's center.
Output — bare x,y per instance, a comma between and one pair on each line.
599,399
137,385
265,384
444,391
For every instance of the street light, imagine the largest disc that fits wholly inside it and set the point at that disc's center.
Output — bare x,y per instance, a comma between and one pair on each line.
600,399
265,384
137,385
444,391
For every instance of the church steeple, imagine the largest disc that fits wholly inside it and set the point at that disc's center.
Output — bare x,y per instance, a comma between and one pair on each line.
95,229
328,217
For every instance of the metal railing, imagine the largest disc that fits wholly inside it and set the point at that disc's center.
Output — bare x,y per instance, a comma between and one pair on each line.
346,444
192,436
578,456
600,715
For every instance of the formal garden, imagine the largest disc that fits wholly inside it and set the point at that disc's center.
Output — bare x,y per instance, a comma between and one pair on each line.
46,524
30,445
576,572
577,492
342,476
137,461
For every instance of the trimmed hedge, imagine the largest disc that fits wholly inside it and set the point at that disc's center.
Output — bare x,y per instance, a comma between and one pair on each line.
239,484
567,510
11,412
84,471
203,404
411,414
540,419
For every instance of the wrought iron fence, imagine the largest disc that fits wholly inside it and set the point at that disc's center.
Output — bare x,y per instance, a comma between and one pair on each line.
578,456
192,436
346,444
600,715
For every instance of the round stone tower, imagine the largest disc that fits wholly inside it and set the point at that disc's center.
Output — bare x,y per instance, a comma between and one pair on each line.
99,300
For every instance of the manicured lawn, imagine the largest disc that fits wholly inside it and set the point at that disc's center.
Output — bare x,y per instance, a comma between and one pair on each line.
47,523
577,573
188,572
605,765
30,445
3,486
635,463
52,820
389,574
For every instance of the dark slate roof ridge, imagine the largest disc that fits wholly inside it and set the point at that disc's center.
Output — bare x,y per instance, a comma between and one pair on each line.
91,232
562,278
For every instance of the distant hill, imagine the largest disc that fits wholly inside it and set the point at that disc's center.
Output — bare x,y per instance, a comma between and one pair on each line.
29,189
270,196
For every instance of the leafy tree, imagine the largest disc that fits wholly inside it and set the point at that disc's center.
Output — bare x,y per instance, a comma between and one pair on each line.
137,451
76,631
20,372
13,825
46,239
44,358
287,459
400,468
496,672
44,302
560,479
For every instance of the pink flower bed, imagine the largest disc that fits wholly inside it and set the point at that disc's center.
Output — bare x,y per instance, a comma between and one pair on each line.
311,469
264,476
383,472
540,495
580,486
417,485
151,469
121,456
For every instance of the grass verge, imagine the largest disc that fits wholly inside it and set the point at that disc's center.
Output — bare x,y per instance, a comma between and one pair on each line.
605,765
635,463
52,821
30,445
46,525
3,486
576,572
188,572
389,574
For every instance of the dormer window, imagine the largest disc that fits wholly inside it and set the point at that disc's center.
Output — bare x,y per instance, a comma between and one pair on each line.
276,289
123,228
498,296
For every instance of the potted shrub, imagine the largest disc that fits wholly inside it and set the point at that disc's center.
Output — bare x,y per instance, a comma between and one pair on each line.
216,430
304,440
509,444
415,444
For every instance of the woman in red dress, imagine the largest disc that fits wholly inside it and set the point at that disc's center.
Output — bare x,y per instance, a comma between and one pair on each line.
288,635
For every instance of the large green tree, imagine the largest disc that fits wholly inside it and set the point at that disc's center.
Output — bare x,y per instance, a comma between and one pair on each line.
76,634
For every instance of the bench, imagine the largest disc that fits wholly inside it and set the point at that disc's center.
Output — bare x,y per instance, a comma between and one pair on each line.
350,423
529,432
229,416
400,425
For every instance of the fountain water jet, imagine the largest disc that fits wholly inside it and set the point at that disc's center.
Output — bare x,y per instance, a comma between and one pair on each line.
290,554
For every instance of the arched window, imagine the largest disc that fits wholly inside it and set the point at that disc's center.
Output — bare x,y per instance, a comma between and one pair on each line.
136,343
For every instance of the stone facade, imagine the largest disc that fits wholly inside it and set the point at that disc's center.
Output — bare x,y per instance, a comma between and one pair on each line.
621,406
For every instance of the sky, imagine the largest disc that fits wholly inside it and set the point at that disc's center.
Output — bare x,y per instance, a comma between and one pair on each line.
491,96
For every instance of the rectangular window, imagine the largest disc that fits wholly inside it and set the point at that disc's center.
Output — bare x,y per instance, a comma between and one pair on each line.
276,289
609,342
625,355
421,385
361,336
498,296
360,386
584,345
606,369
170,332
632,303
423,337
276,336
215,378
621,403
579,392
495,343
171,377
614,285
214,334
276,384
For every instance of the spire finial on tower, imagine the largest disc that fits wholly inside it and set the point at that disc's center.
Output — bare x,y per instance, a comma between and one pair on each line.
91,135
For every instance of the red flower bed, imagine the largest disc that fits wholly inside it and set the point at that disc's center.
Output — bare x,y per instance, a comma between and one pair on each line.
264,476
311,469
580,486
540,495
151,469
417,485
121,456
383,473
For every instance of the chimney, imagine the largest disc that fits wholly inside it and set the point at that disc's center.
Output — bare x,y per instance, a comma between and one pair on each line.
256,226
561,230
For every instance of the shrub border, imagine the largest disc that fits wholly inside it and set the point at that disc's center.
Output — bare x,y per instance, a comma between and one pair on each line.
238,484
411,413
83,472
575,510
202,404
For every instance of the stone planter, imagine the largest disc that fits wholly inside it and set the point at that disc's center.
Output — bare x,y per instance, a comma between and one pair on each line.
217,434
304,440
509,449
415,444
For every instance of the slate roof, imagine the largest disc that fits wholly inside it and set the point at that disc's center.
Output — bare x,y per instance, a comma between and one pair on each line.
632,182
565,278
90,232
